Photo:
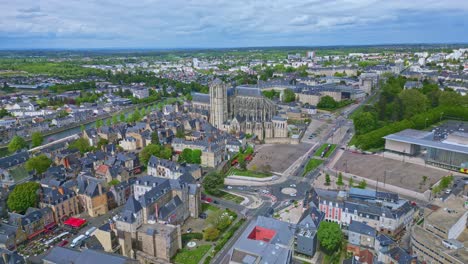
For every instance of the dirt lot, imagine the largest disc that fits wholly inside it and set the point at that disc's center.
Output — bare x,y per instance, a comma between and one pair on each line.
398,173
278,156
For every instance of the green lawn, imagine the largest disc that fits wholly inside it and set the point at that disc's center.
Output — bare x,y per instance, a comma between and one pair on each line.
248,173
322,148
210,207
19,173
191,256
231,197
312,165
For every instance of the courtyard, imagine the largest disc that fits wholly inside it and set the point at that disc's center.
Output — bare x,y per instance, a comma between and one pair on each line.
406,175
277,157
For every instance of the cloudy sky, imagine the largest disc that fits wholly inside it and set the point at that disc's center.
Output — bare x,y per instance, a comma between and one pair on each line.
228,23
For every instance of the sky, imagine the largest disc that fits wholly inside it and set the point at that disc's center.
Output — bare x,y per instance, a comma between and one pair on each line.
82,24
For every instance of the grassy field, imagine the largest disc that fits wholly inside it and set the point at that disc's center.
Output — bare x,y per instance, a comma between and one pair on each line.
248,173
231,197
210,207
191,256
312,165
322,148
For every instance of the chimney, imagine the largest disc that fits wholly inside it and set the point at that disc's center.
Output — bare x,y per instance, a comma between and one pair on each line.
60,190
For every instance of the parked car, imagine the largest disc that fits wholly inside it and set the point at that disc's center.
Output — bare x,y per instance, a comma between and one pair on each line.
189,230
202,215
63,243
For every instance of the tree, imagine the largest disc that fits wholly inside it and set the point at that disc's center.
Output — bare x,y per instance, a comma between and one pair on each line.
82,128
180,133
4,112
219,219
39,163
155,138
330,236
351,182
36,139
164,152
289,96
113,182
23,196
212,183
450,98
242,162
327,179
327,102
364,122
362,184
339,182
210,233
80,144
196,156
17,143
102,142
413,102
114,119
62,114
108,122
122,117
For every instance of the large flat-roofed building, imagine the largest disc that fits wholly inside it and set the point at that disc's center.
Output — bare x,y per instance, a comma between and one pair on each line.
266,240
443,237
445,146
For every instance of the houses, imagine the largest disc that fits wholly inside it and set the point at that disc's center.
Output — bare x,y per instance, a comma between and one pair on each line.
172,170
306,231
412,85
361,234
383,211
34,222
92,196
62,201
140,93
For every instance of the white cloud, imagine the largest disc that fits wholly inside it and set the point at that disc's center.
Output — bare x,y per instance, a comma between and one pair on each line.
166,20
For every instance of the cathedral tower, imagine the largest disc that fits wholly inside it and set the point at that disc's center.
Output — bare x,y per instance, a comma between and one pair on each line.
218,103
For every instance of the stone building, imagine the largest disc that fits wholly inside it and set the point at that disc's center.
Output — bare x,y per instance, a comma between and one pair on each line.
62,201
92,195
241,109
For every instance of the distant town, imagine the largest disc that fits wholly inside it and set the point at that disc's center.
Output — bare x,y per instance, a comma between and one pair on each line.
249,155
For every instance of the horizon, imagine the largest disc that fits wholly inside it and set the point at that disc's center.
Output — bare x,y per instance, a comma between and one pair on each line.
208,24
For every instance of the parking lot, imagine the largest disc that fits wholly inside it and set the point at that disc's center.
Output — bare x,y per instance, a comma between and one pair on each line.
278,157
316,130
402,174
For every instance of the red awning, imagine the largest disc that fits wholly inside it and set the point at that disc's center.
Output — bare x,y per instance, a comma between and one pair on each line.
75,222
35,233
50,226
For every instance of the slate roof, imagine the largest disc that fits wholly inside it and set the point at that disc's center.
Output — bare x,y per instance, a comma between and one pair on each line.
362,228
132,205
170,207
62,255
56,196
10,257
400,255
14,160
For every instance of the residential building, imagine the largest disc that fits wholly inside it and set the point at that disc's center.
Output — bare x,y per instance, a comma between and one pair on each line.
172,170
32,223
383,211
361,234
63,202
92,196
